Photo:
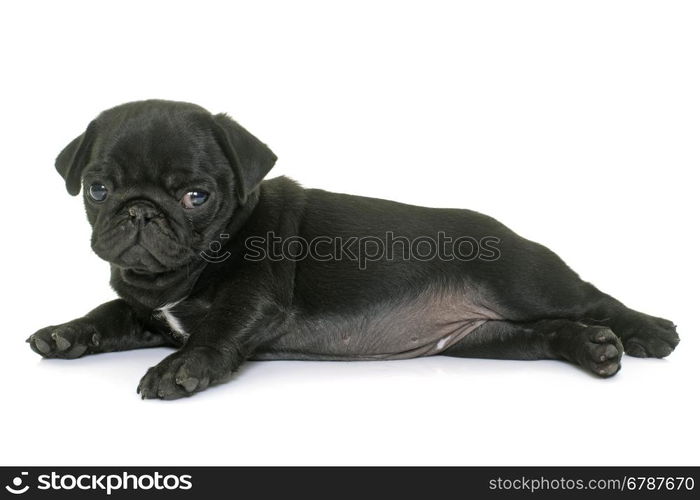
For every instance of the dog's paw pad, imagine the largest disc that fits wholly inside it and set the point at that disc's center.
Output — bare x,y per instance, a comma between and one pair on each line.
68,341
602,352
61,343
181,374
189,383
41,345
610,352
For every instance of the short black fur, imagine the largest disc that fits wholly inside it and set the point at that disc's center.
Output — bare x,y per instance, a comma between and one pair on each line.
522,302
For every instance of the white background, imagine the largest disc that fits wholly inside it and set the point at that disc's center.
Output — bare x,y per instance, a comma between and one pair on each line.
575,123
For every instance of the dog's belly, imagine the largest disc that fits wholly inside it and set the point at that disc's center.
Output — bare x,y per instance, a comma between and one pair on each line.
395,329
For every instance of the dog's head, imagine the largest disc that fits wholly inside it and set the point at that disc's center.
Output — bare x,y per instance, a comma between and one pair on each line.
161,180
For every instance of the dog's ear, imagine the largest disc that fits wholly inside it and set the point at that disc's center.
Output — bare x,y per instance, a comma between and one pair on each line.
250,159
71,162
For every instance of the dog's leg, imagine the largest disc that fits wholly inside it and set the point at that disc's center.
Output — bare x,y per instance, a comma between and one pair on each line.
540,285
642,335
595,348
113,326
214,352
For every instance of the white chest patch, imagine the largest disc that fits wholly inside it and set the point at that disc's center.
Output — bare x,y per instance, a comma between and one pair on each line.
175,325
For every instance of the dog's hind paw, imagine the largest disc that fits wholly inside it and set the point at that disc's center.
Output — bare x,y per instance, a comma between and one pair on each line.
651,338
601,351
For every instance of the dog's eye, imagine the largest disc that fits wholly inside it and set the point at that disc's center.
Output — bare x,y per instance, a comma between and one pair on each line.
194,199
97,191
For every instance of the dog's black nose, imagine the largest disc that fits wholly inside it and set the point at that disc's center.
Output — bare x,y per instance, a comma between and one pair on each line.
143,212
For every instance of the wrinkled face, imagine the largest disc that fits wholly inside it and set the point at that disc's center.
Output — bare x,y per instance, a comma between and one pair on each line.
154,193
160,182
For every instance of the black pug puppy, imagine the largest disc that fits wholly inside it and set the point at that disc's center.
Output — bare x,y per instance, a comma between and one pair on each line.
208,258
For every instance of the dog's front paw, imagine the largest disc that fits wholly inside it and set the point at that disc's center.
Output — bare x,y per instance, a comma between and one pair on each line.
183,373
68,341
650,338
